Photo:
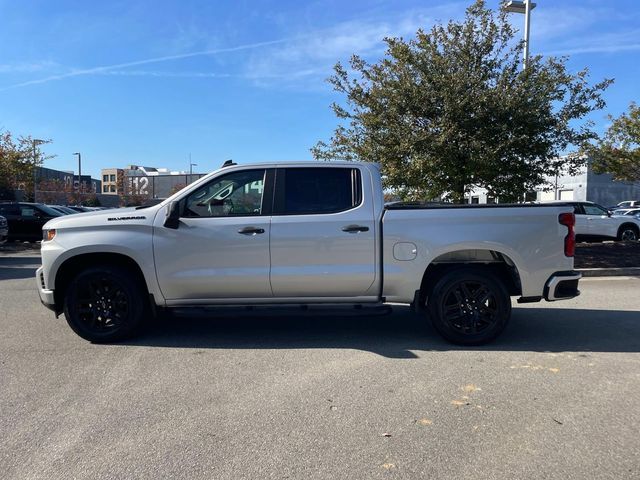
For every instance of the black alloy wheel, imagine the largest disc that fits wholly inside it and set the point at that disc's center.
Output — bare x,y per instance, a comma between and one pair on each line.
103,304
469,306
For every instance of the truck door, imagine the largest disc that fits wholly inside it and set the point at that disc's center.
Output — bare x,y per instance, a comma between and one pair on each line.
322,233
221,246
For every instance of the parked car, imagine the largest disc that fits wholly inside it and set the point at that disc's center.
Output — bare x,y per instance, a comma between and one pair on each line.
62,209
626,204
4,230
26,219
627,211
305,233
78,208
595,223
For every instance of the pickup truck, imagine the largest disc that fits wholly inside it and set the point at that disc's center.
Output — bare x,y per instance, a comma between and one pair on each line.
305,233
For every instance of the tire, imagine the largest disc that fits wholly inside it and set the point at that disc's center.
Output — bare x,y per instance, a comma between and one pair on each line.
104,304
628,233
469,306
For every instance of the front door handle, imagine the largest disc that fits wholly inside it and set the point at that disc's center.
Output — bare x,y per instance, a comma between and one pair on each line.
250,231
355,228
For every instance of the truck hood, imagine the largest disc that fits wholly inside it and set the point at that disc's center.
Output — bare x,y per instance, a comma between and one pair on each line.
129,216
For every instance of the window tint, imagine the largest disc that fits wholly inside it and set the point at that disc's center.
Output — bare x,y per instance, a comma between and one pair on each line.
317,190
236,194
9,210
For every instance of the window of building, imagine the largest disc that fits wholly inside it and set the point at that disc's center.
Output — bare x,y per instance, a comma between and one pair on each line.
105,188
112,178
105,178
112,188
475,199
317,190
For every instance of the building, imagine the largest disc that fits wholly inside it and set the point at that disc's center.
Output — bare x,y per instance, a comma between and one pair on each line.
590,186
148,182
111,177
584,186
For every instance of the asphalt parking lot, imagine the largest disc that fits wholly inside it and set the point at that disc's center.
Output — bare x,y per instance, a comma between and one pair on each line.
321,397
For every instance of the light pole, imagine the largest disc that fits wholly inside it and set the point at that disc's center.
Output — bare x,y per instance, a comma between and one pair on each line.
79,172
34,145
191,165
522,6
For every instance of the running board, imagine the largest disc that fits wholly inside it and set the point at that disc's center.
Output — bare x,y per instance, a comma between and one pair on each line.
307,310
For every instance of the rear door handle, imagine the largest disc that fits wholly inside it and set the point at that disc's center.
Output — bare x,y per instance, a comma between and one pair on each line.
355,228
250,231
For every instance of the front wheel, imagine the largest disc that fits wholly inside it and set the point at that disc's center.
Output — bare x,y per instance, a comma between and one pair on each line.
469,306
104,304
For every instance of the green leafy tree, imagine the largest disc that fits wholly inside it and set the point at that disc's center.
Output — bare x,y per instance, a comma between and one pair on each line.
618,152
18,159
451,110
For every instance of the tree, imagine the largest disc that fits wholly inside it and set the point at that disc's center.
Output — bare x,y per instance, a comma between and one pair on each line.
18,160
618,153
451,110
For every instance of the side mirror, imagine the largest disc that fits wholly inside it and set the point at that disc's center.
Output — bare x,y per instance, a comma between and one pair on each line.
172,219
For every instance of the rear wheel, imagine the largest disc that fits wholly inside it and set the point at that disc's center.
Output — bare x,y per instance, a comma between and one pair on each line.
628,233
469,306
104,304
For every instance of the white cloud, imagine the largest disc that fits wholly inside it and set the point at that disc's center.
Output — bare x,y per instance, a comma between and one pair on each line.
315,53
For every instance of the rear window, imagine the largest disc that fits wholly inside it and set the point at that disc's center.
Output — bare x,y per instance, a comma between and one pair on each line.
301,191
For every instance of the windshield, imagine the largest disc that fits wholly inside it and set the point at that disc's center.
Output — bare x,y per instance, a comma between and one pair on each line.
50,211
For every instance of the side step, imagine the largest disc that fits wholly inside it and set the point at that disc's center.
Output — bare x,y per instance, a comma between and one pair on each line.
306,310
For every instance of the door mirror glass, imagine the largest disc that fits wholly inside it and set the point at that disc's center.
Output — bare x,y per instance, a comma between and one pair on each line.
172,219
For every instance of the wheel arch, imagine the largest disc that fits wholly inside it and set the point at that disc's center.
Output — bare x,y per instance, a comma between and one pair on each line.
74,265
491,261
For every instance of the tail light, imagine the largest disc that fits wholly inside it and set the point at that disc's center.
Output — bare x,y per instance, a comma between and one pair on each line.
569,220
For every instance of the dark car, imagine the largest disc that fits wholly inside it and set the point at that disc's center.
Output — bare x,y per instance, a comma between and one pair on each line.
4,230
26,219
79,209
62,209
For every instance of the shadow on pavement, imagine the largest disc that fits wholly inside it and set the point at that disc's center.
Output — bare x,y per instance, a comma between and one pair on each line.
16,268
397,335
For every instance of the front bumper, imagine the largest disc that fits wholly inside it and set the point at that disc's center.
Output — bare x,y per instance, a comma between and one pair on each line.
46,295
562,285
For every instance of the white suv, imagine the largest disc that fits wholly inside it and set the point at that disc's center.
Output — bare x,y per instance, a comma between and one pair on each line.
594,222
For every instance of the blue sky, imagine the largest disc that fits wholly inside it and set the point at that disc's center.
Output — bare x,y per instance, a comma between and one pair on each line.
150,82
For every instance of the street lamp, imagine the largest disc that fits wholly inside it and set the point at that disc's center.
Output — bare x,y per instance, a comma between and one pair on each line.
34,145
79,171
525,6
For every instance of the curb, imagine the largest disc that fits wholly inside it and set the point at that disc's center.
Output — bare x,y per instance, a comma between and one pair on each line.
610,272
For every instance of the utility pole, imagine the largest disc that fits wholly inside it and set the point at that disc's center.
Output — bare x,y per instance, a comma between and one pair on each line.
34,145
79,172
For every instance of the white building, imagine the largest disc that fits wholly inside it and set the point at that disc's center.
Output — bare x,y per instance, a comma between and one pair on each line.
585,186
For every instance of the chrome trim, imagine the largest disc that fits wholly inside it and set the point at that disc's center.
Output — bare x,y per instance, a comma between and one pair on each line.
552,283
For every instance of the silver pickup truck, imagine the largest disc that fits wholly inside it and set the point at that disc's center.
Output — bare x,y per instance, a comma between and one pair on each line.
300,234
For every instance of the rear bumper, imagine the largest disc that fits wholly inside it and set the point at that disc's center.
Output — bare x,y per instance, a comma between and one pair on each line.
562,285
46,295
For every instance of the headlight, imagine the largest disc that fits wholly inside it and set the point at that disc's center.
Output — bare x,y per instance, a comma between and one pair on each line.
48,235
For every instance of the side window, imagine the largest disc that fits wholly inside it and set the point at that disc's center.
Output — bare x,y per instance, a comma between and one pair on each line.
236,194
28,212
594,210
317,190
